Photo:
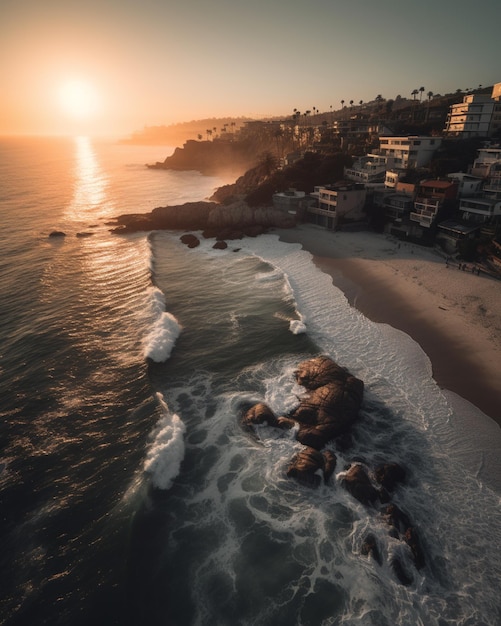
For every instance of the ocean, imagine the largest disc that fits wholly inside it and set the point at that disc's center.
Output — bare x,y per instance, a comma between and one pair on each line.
129,492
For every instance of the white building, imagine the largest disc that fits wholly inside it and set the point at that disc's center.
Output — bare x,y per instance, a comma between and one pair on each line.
478,115
408,152
468,185
485,158
479,210
368,169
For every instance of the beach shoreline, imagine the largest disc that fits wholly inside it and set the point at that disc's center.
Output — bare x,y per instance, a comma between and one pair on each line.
454,315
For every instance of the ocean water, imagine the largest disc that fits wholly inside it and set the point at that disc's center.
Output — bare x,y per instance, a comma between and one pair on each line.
129,492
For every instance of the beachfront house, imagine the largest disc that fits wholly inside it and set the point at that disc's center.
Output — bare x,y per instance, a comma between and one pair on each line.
337,204
292,201
485,207
452,232
431,197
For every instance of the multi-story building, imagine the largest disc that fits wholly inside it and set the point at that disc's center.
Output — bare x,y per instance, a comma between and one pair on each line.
479,115
408,152
484,160
291,201
468,185
480,210
368,169
431,196
335,203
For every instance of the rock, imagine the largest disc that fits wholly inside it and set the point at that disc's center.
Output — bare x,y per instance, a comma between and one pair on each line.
389,475
402,528
220,245
332,404
57,233
330,407
259,414
305,465
411,538
190,240
370,548
396,519
357,482
231,221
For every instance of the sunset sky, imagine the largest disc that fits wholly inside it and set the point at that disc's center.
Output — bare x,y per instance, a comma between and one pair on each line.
114,66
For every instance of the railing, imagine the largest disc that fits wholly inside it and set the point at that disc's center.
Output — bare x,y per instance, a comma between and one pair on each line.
424,220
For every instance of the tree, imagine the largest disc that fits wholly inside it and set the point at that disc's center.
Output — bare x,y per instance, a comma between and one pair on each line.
421,91
414,93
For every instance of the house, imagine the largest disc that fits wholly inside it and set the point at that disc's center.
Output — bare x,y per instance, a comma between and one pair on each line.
479,115
367,169
483,161
480,210
451,232
336,203
431,195
291,201
408,152
467,185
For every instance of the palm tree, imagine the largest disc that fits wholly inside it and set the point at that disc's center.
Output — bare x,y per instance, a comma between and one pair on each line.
421,91
351,103
414,93
360,102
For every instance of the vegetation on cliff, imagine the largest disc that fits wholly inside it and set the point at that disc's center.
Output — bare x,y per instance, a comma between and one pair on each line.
258,184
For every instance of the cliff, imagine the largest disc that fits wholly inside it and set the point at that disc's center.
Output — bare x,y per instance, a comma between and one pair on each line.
210,157
231,221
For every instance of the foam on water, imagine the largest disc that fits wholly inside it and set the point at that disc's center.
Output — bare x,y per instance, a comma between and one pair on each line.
164,331
166,452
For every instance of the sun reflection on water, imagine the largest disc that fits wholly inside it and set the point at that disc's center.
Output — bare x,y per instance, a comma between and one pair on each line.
90,198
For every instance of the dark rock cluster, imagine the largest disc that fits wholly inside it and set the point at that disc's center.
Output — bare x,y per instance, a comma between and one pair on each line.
327,412
232,221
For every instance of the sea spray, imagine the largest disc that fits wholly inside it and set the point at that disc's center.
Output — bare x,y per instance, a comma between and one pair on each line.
165,329
164,456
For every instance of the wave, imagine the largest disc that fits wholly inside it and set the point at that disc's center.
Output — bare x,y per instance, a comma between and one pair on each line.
159,342
164,457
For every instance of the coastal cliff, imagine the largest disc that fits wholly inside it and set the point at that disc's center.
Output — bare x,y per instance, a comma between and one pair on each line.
221,221
210,157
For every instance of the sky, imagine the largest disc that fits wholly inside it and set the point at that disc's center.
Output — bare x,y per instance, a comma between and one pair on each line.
115,66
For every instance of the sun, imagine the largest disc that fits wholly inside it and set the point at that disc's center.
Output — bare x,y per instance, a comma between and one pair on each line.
78,99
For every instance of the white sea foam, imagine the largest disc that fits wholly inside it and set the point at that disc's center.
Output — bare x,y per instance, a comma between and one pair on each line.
164,456
164,331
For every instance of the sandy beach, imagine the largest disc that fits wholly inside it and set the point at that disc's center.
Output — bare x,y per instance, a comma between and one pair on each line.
453,314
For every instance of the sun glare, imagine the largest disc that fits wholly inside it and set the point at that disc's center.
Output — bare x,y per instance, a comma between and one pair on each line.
78,99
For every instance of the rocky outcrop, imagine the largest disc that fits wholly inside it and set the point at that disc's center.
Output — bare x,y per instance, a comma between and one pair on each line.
357,482
308,462
225,222
327,412
328,409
